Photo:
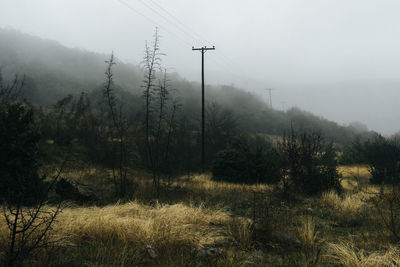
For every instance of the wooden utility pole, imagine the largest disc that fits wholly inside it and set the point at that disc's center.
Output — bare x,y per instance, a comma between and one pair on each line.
203,50
270,96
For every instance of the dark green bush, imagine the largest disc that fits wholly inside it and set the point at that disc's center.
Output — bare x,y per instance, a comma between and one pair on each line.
353,154
243,162
383,158
19,179
310,163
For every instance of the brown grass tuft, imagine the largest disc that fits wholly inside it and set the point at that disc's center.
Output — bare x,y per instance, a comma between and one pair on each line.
349,256
240,231
166,227
307,233
348,209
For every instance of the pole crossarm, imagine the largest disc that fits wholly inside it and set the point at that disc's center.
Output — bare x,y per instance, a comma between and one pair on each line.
205,48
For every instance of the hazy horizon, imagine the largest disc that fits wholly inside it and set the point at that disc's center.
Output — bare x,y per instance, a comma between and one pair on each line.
337,59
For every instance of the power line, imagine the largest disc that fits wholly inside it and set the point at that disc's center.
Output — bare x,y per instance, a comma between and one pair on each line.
180,22
158,25
177,25
152,21
188,34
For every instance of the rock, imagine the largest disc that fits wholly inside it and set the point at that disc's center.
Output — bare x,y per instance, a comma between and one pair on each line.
152,251
208,252
70,189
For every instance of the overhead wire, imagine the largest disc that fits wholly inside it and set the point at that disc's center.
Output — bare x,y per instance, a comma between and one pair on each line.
152,21
170,21
222,60
220,54
190,30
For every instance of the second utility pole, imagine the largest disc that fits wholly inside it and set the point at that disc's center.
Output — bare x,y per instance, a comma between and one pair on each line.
203,50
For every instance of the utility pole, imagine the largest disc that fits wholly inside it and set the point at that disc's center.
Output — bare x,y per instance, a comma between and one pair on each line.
203,50
270,96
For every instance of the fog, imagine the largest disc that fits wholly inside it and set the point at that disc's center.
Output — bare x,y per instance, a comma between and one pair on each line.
337,59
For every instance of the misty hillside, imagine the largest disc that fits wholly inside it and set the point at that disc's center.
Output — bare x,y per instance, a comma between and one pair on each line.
54,71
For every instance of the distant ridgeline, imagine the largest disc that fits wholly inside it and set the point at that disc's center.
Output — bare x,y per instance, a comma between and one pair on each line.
53,71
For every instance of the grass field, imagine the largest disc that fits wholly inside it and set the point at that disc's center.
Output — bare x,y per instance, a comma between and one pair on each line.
199,222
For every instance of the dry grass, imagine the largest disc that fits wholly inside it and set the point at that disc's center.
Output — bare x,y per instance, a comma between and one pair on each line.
240,232
348,209
204,183
206,213
347,255
171,229
4,236
356,171
196,187
345,205
307,233
354,176
166,227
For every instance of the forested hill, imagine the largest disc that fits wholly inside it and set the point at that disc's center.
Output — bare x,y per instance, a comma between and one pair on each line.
53,71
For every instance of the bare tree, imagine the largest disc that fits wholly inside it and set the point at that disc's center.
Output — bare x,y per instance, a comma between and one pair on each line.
116,132
160,115
151,63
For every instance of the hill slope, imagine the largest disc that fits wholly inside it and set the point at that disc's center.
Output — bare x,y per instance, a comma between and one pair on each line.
53,71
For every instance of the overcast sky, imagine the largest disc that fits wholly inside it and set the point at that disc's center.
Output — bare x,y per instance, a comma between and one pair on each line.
336,58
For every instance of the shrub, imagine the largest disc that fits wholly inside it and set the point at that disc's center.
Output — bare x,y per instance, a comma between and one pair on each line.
244,163
19,179
311,164
383,158
353,154
387,206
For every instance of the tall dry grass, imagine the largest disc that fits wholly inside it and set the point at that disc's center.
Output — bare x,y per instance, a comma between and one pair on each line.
307,233
347,255
354,176
349,209
171,229
203,182
240,232
355,171
166,227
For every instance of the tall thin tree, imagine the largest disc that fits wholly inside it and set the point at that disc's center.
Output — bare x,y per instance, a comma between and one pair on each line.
116,132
